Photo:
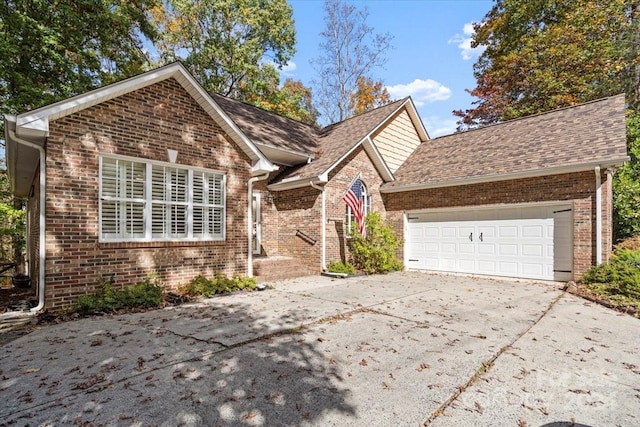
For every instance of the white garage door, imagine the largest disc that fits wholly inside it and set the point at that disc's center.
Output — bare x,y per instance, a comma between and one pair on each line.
527,242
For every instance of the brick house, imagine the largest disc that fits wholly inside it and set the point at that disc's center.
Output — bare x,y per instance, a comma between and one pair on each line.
153,174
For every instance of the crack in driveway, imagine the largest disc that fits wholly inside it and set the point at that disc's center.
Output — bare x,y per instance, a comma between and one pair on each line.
486,365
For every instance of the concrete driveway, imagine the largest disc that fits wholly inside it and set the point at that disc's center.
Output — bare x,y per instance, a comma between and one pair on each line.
404,349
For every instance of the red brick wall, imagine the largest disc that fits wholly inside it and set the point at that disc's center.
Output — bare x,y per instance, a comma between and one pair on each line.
576,187
339,181
142,124
299,232
300,209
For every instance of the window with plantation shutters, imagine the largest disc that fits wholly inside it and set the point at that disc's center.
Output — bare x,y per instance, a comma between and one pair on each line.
144,201
123,199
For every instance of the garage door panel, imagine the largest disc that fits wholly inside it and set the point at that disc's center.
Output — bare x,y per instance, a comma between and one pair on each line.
448,248
518,242
508,232
448,232
532,250
532,231
466,248
509,268
487,267
487,249
534,271
508,250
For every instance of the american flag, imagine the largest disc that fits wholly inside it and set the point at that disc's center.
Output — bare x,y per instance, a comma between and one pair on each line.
353,199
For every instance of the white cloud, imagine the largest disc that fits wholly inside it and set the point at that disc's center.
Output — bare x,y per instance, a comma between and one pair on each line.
421,91
289,68
464,42
437,126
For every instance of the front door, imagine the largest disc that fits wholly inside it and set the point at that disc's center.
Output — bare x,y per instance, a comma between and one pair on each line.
255,227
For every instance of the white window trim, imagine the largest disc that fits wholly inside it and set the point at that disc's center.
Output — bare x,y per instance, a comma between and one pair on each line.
148,205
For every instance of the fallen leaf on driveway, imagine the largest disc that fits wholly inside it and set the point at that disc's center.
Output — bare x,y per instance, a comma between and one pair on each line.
579,391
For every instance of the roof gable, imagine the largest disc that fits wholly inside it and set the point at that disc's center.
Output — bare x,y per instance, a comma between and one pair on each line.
565,140
35,124
336,142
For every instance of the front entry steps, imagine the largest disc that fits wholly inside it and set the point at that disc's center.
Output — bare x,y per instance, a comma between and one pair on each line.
270,268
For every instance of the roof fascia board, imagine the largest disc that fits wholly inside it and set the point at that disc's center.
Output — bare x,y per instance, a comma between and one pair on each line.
263,166
305,156
379,162
507,176
297,183
417,121
39,119
368,137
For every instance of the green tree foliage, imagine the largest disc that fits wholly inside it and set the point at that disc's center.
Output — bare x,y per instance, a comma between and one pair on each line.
626,185
350,50
292,99
51,50
546,54
226,44
375,253
12,222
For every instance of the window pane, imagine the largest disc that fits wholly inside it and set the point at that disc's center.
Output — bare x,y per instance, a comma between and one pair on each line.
178,220
109,218
158,220
128,201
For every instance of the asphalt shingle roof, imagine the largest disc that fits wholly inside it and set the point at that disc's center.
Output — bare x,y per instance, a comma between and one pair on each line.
571,136
325,145
264,127
337,139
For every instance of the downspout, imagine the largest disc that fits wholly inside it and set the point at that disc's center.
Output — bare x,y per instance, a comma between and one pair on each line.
250,221
598,216
323,230
42,223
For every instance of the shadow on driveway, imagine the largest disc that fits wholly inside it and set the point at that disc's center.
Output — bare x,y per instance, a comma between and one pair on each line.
214,364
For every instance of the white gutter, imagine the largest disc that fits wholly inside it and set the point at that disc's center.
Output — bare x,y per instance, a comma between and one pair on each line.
598,216
531,173
43,201
250,221
297,183
323,230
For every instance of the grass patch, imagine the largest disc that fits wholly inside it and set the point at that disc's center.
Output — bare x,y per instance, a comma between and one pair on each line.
202,286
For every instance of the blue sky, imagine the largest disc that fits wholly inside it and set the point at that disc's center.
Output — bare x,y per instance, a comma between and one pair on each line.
430,60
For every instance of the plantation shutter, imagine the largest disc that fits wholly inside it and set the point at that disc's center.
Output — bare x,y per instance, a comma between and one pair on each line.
122,199
146,201
169,193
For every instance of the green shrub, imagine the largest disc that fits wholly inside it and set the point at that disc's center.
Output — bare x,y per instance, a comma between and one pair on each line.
148,294
375,253
622,272
201,286
344,267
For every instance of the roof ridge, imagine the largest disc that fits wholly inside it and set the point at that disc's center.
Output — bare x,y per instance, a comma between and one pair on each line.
536,115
